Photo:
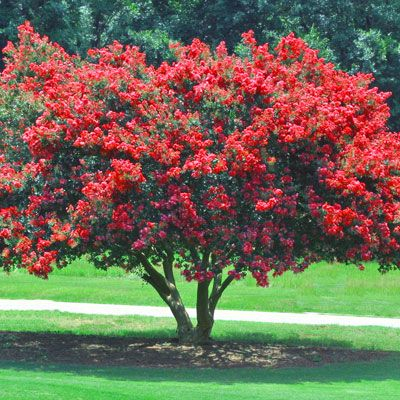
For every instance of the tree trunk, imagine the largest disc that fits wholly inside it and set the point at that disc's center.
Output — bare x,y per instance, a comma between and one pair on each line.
205,308
205,319
187,333
206,302
184,325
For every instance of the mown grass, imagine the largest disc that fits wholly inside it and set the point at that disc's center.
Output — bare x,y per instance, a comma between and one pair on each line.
324,288
366,338
375,380
327,288
379,380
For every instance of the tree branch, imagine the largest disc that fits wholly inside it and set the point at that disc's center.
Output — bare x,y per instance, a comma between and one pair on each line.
216,285
216,295
168,265
205,261
154,277
167,291
192,250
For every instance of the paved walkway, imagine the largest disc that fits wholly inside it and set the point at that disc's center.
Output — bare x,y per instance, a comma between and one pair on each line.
227,315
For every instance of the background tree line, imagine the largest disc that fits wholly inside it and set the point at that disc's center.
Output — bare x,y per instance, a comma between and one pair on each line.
357,35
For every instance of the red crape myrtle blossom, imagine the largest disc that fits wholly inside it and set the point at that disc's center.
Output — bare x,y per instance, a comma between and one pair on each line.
214,166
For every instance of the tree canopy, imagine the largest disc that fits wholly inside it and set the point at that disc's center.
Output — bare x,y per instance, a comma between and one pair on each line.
358,36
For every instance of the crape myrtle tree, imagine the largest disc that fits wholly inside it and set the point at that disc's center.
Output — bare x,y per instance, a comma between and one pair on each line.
213,166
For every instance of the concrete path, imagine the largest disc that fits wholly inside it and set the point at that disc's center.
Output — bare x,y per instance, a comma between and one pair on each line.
226,315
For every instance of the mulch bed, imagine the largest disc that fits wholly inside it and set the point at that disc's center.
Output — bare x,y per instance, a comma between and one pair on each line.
134,352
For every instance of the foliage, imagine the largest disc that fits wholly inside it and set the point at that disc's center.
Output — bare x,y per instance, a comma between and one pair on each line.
356,36
258,165
59,19
155,42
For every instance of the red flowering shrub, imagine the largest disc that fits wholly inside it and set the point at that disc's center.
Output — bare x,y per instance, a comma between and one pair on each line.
208,165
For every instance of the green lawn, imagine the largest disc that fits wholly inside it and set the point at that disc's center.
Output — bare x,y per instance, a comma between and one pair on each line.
374,380
367,338
378,380
323,288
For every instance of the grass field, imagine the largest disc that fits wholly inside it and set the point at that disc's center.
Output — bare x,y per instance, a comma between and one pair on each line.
323,288
367,338
339,289
374,380
379,380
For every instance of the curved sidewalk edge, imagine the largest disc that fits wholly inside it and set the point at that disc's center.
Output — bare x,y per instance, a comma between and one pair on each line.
226,315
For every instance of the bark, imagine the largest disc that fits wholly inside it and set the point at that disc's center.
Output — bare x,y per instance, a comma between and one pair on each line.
169,293
206,302
205,319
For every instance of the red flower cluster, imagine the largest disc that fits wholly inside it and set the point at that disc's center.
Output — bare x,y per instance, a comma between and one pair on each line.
262,164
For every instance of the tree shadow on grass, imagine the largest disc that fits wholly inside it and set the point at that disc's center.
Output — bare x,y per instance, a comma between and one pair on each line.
133,358
345,337
375,371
